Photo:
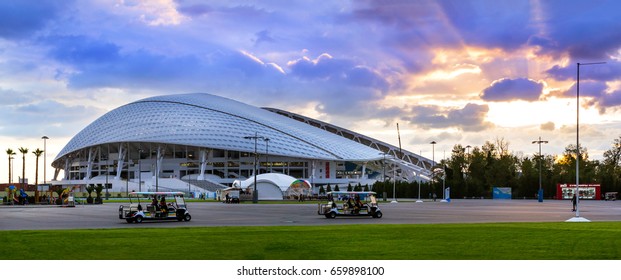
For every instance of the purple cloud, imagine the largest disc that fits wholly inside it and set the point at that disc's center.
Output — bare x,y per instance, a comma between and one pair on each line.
20,19
81,50
469,118
513,89
610,70
586,30
491,26
325,67
587,88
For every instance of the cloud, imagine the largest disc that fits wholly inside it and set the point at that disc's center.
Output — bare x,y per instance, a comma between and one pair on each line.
325,67
593,29
549,126
51,117
21,19
587,89
82,50
611,70
513,89
9,97
264,36
194,10
478,23
95,63
469,118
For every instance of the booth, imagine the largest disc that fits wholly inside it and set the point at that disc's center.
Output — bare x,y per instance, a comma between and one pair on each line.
586,191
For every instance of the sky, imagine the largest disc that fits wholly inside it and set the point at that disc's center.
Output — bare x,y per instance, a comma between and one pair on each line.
454,72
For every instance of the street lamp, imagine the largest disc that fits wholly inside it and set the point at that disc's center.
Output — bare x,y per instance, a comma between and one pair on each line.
433,162
383,168
267,159
44,157
540,194
11,165
577,192
139,170
255,195
468,165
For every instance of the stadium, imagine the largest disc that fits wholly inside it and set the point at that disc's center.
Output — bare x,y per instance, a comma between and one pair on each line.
202,143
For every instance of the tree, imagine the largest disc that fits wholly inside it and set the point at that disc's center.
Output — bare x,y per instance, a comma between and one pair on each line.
10,153
457,168
38,152
24,151
610,169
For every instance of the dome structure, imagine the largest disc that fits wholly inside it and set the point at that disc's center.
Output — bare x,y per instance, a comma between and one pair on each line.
202,143
209,121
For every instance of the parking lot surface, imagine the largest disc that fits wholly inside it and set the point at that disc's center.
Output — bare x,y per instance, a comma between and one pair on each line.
248,214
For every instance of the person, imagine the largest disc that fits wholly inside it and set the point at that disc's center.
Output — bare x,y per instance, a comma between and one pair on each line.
574,202
434,196
358,205
154,206
154,202
163,206
227,198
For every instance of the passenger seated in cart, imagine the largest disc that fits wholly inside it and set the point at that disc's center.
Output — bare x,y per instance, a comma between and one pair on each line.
358,205
154,203
350,203
163,206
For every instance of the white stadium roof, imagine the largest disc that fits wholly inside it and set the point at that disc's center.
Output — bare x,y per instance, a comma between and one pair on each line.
209,121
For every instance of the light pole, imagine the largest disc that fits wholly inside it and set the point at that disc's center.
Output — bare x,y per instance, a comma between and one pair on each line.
267,159
255,195
468,166
444,198
418,177
12,169
139,170
577,218
44,157
433,162
540,193
384,168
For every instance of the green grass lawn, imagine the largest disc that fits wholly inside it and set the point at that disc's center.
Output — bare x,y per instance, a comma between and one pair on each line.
505,241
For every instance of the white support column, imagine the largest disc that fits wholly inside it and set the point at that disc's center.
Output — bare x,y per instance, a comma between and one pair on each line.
160,156
56,173
203,159
364,171
121,162
89,164
67,168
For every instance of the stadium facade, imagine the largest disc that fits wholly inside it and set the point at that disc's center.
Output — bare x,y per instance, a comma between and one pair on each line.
201,143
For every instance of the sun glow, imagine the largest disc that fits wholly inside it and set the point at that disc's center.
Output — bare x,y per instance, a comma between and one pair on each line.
522,113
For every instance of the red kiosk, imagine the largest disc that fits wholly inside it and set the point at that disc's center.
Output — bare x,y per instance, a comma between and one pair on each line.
586,191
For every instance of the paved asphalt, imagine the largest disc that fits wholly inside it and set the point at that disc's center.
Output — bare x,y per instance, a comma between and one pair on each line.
248,214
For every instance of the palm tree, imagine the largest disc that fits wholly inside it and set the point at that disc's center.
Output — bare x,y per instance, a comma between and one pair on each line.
38,152
24,151
10,153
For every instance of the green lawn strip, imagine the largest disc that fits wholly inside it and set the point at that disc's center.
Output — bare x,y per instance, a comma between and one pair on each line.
504,241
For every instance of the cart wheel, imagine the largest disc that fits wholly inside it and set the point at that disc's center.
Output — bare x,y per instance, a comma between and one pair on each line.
378,214
187,217
332,215
138,219
129,220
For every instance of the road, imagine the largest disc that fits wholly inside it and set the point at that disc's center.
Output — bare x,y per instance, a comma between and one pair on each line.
248,214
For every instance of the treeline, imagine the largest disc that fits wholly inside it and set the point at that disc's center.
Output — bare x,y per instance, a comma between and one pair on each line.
472,172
